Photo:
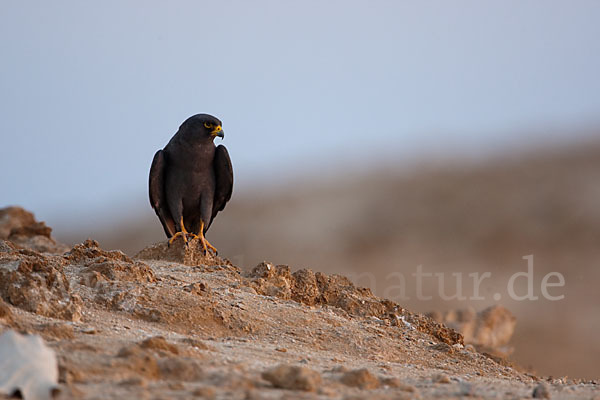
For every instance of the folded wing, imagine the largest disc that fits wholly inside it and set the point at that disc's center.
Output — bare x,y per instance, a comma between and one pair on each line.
223,181
157,193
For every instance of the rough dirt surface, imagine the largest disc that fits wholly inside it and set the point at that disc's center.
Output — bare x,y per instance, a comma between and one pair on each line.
129,328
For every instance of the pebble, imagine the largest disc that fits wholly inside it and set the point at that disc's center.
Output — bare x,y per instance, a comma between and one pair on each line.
541,391
89,330
360,378
293,378
440,378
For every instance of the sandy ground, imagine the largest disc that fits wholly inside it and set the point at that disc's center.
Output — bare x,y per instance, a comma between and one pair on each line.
172,323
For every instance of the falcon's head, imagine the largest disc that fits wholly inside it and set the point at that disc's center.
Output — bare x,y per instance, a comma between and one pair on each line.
205,125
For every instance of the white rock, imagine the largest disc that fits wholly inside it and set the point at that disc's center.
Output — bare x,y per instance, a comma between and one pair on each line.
27,365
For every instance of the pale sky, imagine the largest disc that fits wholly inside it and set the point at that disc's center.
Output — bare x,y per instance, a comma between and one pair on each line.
90,90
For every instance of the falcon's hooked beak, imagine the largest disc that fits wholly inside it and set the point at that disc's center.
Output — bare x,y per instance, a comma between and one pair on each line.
218,131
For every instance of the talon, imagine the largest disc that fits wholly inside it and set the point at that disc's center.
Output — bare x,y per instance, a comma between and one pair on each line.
175,236
183,233
206,246
211,247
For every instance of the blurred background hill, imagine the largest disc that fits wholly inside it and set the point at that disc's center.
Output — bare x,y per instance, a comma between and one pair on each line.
366,137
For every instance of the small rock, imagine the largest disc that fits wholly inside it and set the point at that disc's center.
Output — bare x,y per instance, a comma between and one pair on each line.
140,361
205,392
27,365
135,381
470,348
159,343
293,378
89,330
397,383
182,369
442,347
541,391
360,378
197,288
195,343
440,378
329,391
281,350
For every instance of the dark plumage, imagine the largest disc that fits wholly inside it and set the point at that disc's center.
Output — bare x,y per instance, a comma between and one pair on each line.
191,179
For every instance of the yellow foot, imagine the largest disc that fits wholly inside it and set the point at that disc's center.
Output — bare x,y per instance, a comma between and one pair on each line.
206,246
183,233
178,234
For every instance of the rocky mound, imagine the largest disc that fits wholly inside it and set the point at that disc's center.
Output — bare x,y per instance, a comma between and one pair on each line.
20,228
38,284
310,288
489,330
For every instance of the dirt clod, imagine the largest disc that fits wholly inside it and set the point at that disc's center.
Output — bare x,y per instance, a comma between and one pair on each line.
159,343
37,283
293,378
105,269
398,384
541,391
361,378
205,392
139,361
182,369
440,378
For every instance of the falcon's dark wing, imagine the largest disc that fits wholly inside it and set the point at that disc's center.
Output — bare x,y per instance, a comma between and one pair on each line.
157,193
223,181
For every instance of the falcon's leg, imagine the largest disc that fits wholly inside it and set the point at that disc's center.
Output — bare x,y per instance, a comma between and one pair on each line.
183,233
205,245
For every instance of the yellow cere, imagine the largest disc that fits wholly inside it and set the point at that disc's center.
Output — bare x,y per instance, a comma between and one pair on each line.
216,129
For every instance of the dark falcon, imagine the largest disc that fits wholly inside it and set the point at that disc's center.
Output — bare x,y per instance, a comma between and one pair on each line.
191,180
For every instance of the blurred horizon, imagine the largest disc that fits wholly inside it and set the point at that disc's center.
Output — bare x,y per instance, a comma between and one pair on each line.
67,220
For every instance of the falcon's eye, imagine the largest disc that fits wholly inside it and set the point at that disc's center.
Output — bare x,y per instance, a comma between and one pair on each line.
208,125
